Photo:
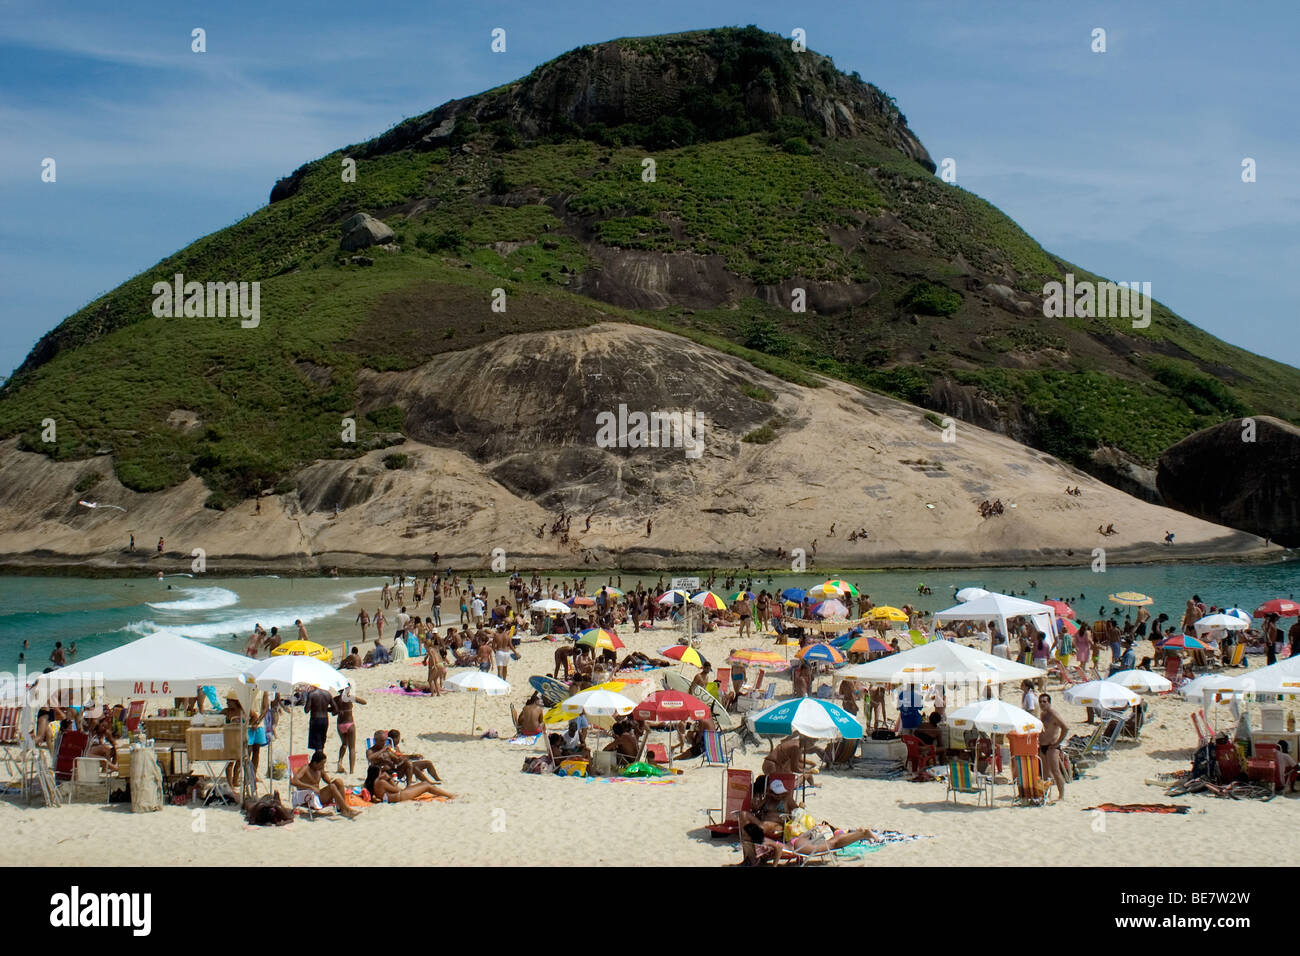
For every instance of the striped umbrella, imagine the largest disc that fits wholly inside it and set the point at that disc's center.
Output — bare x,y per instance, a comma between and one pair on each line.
611,590
749,595
820,652
709,600
599,637
1184,641
860,644
1131,599
684,653
809,716
675,596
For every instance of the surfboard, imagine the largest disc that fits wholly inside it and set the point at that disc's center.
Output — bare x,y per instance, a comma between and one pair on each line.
552,690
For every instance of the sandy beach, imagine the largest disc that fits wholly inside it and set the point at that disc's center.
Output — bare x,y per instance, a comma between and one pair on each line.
503,817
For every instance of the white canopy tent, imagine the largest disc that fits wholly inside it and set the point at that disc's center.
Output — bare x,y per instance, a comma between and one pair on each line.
940,662
159,665
999,608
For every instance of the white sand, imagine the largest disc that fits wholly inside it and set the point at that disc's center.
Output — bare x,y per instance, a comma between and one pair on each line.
502,816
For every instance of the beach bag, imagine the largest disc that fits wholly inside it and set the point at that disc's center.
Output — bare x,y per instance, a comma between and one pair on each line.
146,781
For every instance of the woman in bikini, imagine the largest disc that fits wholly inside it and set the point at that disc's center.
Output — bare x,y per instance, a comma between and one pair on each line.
347,728
384,789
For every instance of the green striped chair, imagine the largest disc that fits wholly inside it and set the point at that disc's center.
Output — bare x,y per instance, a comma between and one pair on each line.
963,778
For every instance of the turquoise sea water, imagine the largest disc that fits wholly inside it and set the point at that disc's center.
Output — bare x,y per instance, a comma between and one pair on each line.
98,614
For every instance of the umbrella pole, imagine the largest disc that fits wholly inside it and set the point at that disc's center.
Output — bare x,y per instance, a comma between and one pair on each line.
474,716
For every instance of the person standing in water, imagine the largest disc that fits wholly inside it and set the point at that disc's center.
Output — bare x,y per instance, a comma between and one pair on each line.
364,620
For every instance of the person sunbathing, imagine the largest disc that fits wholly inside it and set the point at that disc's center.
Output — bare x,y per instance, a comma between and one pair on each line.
312,783
823,838
385,789
381,756
770,809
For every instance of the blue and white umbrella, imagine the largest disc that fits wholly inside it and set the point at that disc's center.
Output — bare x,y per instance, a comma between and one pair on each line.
809,716
1238,613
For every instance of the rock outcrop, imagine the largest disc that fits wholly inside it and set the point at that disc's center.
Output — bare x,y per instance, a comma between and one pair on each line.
1246,478
363,231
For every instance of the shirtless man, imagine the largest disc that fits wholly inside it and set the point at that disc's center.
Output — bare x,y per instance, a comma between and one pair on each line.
302,631
746,622
347,726
788,757
563,656
530,718
502,650
312,779
319,706
1049,744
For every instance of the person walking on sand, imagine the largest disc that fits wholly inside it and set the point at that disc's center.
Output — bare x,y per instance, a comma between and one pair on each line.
364,620
435,670
502,651
347,727
379,621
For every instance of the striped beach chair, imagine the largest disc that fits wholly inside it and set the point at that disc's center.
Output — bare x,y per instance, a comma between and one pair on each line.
715,753
963,778
1031,786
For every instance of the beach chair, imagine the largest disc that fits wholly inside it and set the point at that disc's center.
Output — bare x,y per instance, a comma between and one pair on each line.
134,712
10,744
657,754
1173,668
737,795
1204,732
715,752
757,700
963,778
1238,654
88,777
71,745
919,754
1078,748
1114,728
1031,785
724,682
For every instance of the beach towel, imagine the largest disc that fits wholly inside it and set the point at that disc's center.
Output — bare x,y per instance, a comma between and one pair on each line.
1139,808
403,691
523,740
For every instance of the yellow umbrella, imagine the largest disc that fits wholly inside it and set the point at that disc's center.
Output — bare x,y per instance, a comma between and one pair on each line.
304,649
886,613
1131,598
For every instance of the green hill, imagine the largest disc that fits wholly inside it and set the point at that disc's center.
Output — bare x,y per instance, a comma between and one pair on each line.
773,172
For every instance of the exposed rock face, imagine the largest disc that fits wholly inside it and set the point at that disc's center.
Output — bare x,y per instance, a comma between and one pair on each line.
362,231
1222,476
639,80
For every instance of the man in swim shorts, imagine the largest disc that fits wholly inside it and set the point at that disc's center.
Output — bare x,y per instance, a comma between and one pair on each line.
319,706
502,651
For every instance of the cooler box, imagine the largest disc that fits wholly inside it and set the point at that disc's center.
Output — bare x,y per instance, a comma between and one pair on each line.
214,743
1023,745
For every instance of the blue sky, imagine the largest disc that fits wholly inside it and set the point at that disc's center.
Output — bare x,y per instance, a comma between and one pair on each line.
1126,162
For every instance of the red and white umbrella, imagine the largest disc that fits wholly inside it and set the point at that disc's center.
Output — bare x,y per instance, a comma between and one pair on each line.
1279,606
664,706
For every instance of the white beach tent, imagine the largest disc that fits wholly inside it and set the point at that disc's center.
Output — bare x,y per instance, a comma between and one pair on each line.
998,608
940,662
159,665
1280,678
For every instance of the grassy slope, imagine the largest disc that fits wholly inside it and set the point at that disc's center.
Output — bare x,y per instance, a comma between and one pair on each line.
766,211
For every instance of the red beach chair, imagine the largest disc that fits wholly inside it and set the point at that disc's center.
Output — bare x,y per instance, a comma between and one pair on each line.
737,795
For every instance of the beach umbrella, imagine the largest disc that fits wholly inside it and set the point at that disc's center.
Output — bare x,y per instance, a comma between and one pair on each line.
601,638
1238,613
830,609
972,594
675,596
1279,606
290,671
476,683
1280,678
886,613
1227,622
1068,625
1131,599
1183,641
683,653
1101,693
611,590
1211,684
843,587
709,600
827,590
665,706
809,716
794,595
598,703
582,601
303,649
748,595
1062,609
852,643
945,662
820,652
755,655
995,717
548,606
1143,682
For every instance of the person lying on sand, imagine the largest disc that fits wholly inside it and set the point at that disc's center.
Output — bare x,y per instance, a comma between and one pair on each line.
381,756
312,781
820,839
385,789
